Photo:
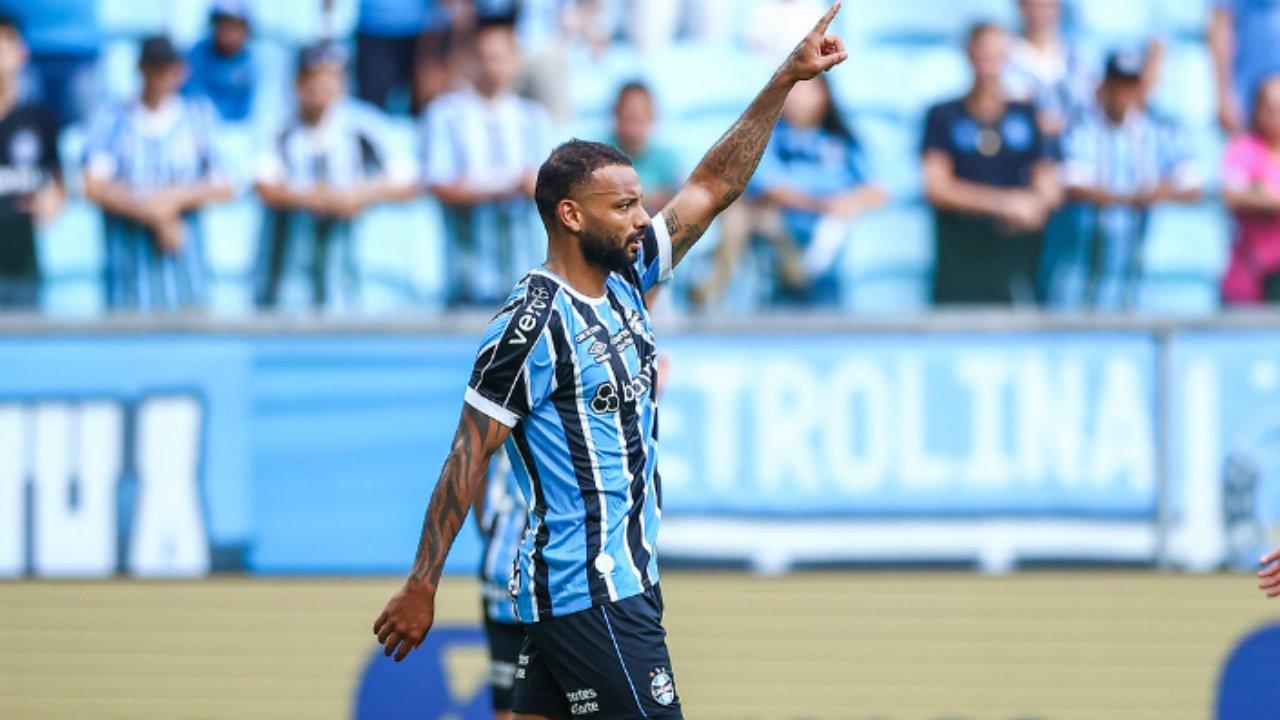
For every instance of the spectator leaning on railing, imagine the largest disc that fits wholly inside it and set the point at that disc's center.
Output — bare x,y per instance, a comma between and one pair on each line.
483,148
151,164
222,65
30,176
318,172
992,184
1121,161
1251,191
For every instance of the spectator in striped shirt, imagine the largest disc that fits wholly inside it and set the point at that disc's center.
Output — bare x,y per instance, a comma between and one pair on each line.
151,165
323,168
484,145
1120,161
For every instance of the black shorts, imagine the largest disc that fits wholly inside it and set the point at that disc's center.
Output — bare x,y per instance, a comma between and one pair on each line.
505,643
606,663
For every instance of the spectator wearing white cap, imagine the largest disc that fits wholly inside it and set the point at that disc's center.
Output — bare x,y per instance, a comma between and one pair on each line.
1120,161
222,65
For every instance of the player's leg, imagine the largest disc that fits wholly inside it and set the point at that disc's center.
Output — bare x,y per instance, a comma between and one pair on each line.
505,641
612,660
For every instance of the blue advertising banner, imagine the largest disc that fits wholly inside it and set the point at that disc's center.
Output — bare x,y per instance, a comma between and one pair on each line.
1225,448
896,425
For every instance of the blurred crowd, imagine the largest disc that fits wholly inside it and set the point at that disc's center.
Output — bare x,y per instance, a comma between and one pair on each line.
1042,178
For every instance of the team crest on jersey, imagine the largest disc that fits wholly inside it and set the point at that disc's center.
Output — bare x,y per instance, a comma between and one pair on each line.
662,686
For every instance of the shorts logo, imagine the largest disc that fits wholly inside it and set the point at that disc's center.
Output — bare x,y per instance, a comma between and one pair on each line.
583,701
606,399
662,686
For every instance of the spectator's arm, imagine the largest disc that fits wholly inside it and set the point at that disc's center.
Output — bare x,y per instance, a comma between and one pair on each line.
465,194
185,198
1253,199
1222,48
116,198
1169,191
1046,184
945,191
279,196
856,201
49,201
1152,65
1096,196
792,199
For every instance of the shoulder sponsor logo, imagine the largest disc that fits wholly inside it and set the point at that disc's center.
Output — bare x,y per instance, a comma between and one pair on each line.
535,306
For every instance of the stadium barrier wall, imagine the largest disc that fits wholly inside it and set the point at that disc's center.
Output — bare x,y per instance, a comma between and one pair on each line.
182,446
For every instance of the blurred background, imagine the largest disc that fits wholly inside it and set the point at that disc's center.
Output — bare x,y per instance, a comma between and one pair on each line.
972,408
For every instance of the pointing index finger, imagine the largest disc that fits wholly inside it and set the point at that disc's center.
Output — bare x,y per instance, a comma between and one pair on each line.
825,22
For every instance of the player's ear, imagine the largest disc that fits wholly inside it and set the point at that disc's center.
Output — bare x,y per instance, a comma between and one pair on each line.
570,214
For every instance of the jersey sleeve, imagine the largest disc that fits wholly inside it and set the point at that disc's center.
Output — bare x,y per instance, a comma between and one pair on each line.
653,262
936,131
515,368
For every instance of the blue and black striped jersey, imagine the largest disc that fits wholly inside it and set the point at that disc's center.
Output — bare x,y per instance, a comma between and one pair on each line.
572,376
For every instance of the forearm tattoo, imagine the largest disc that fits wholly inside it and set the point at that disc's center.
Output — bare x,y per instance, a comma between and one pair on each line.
452,499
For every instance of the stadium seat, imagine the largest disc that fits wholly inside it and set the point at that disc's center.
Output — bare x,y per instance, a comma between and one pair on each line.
1117,21
920,20
72,246
1207,146
231,237
887,295
1187,19
403,139
274,93
230,297
400,255
691,79
187,22
1186,88
133,18
1187,241
304,21
118,69
885,267
236,144
72,298
902,80
594,82
892,148
1171,296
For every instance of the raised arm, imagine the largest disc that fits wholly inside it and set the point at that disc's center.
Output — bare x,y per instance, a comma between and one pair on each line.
725,170
411,611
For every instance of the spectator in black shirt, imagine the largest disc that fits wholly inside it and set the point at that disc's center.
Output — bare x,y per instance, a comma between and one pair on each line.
992,185
30,176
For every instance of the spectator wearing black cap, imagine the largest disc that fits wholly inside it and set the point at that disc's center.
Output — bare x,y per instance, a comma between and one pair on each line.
151,165
222,65
484,145
1120,161
30,176
321,170
992,184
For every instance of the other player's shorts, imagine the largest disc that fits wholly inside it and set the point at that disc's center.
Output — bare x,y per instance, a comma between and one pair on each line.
606,663
505,642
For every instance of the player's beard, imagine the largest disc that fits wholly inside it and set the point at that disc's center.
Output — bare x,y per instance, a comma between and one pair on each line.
604,251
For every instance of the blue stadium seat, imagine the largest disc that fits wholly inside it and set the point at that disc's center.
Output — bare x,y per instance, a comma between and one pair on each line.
236,145
1207,146
187,22
133,18
1186,88
892,148
118,69
231,237
274,93
400,255
695,78
72,246
1187,296
1187,19
902,80
304,21
1189,241
920,20
886,265
594,82
1117,21
78,297
887,295
230,297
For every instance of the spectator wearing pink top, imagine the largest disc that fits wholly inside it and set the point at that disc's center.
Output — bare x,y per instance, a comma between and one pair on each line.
1251,191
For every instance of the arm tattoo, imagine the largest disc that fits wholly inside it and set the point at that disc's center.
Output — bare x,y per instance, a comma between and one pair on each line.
452,499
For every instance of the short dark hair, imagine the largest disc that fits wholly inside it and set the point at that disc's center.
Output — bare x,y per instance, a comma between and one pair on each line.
570,165
978,30
9,22
635,86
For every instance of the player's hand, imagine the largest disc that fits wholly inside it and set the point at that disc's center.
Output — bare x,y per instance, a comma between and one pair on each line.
1270,574
817,52
407,619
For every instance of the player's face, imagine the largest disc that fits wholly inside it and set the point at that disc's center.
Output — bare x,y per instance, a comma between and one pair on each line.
320,88
987,54
613,221
1267,111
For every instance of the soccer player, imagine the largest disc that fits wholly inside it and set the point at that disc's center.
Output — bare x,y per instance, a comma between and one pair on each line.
564,378
1270,574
